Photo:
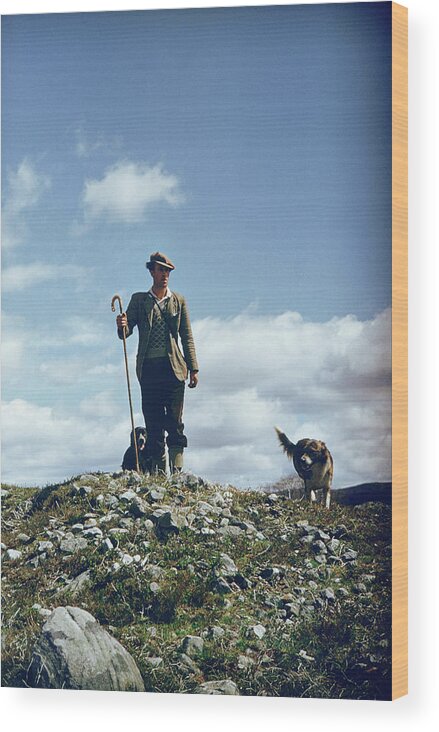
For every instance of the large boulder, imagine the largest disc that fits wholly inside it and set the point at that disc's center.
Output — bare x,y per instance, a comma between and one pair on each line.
75,652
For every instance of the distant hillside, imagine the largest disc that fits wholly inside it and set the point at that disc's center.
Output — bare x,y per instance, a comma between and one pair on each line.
210,589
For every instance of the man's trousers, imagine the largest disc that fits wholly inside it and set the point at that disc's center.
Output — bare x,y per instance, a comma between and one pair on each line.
162,406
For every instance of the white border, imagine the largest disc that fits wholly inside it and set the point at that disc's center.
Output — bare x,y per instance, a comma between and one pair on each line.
39,710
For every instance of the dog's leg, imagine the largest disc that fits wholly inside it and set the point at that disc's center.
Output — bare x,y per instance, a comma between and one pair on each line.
312,496
328,498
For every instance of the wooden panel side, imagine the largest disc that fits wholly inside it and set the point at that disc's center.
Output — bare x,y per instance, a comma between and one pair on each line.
399,352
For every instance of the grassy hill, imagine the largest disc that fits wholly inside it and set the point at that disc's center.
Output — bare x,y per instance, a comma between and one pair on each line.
284,599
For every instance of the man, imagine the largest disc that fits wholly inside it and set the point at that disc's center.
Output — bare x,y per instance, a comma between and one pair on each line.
162,317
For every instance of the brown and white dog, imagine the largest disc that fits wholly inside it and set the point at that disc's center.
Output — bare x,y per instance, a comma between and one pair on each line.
313,462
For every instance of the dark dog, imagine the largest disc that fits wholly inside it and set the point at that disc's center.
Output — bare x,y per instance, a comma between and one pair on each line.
313,462
129,459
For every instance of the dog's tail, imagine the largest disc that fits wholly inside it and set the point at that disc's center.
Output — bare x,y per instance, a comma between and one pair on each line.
287,445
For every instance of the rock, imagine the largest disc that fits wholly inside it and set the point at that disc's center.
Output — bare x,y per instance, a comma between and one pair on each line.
359,588
258,630
328,594
138,507
169,522
45,546
77,528
216,632
188,665
224,686
270,573
24,538
154,661
349,556
156,496
226,566
192,645
72,545
4,493
232,531
245,662
242,582
12,555
128,496
333,545
75,652
75,585
319,547
322,535
106,545
221,586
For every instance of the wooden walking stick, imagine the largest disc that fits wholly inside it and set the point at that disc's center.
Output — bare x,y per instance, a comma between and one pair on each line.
117,297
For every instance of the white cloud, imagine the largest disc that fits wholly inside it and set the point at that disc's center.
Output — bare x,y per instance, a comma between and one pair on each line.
41,446
23,276
25,186
127,190
325,380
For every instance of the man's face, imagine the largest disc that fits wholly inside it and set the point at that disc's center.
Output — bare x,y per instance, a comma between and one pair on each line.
160,276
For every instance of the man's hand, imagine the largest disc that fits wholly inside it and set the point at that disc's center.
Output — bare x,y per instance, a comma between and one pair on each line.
122,321
193,380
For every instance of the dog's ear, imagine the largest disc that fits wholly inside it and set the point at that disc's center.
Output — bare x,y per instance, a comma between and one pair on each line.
287,445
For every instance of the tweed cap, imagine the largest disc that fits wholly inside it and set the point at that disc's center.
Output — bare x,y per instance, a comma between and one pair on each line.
159,258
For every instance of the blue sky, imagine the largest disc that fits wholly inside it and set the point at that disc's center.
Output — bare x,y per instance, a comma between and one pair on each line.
253,146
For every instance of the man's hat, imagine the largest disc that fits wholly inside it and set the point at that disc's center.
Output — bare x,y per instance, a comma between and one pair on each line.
159,258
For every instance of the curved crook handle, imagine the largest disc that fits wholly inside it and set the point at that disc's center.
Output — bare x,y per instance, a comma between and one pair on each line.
116,297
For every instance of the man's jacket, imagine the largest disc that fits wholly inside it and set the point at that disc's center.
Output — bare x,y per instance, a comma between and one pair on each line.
140,311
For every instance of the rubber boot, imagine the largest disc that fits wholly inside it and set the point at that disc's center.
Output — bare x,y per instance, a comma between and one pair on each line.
175,459
159,465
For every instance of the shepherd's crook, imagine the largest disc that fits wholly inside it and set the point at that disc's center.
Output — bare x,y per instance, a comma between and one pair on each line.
117,297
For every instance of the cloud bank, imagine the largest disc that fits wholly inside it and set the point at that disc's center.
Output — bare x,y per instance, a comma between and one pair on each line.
23,276
127,190
327,380
25,186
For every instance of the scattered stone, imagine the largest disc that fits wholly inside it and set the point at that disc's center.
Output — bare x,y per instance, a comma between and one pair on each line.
192,645
77,528
188,664
12,555
333,545
221,586
75,585
24,538
94,533
156,496
75,652
45,546
106,545
328,594
154,661
224,686
319,547
226,566
271,573
245,662
349,556
232,531
138,507
303,654
128,496
258,630
72,545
